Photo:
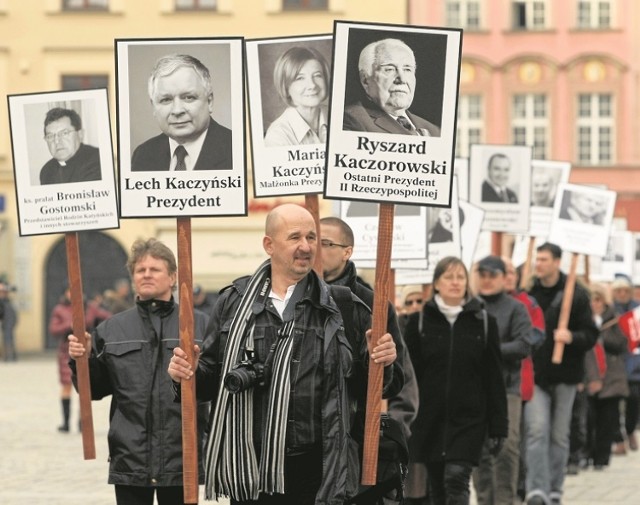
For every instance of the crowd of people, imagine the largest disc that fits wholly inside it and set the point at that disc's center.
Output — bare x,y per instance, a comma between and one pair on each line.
281,385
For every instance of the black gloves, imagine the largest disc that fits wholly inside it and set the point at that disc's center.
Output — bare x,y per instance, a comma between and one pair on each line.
495,445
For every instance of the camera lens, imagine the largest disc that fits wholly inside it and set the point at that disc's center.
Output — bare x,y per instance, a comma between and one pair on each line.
239,379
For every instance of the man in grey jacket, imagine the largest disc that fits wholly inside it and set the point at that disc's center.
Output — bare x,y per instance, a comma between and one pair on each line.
128,358
496,478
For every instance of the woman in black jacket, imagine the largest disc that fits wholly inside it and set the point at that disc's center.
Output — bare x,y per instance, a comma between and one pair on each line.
455,351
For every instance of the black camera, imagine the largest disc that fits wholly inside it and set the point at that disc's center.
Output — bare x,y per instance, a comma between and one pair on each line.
244,375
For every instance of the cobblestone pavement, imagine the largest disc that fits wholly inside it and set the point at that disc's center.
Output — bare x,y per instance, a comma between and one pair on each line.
40,466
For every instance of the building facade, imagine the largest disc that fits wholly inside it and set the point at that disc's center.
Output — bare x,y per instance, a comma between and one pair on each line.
561,76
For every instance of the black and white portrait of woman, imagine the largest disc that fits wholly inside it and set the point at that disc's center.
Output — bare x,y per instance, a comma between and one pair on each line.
301,79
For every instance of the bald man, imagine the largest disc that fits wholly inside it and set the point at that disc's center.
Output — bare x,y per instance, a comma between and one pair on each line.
290,382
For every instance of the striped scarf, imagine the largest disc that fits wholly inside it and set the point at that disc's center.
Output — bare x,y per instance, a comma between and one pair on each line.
231,467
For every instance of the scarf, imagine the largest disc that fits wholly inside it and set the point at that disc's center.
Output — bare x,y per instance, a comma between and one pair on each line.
231,467
449,311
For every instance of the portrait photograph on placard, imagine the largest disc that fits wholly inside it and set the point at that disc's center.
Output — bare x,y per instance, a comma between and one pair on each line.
443,229
393,113
545,177
582,218
181,139
499,181
288,89
63,161
618,258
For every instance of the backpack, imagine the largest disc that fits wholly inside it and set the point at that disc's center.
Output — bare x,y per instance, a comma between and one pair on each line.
393,451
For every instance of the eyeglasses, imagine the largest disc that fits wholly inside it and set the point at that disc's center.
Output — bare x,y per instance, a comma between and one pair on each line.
328,243
61,135
417,301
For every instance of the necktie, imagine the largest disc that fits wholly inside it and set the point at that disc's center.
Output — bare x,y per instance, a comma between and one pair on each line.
180,153
406,124
503,195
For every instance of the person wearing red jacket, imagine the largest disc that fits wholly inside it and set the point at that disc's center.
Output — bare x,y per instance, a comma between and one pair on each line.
61,325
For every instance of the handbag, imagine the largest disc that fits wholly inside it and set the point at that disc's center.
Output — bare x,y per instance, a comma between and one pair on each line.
393,451
393,461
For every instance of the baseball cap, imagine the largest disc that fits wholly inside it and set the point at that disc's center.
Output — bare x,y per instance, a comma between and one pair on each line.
492,264
621,281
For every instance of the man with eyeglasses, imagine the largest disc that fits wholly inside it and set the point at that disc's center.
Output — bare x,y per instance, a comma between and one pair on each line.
72,160
387,70
337,248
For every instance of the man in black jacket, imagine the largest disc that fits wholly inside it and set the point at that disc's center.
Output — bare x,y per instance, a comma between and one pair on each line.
548,413
337,247
283,377
336,239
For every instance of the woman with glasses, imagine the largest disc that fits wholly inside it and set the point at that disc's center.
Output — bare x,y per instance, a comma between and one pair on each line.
454,347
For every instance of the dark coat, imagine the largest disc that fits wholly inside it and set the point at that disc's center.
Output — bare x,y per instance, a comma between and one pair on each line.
462,393
404,406
83,166
216,153
614,342
490,195
129,360
368,117
316,313
581,325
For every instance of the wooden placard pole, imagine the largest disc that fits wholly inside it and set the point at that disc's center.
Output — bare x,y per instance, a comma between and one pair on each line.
313,206
587,269
187,388
376,371
526,267
496,243
565,309
79,330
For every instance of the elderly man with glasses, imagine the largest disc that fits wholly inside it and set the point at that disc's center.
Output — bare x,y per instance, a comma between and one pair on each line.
72,160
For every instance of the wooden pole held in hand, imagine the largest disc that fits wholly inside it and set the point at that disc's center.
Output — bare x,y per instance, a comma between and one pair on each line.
565,310
79,330
187,387
526,266
376,371
313,206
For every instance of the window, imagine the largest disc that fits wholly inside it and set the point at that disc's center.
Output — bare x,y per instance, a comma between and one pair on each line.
463,14
304,5
594,14
529,15
530,123
85,5
470,123
595,129
193,5
75,82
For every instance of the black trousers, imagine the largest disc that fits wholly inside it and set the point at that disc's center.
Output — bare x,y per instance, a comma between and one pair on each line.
604,422
139,495
302,478
449,482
